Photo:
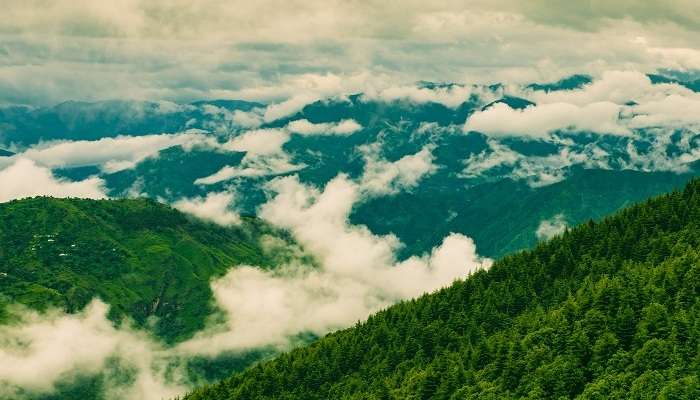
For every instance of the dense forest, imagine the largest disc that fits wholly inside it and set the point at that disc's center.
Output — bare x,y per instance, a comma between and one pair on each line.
141,257
607,310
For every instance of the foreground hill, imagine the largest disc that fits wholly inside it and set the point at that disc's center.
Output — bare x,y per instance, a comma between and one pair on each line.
608,310
141,257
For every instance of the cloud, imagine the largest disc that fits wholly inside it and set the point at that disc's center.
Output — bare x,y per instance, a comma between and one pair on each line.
260,142
24,178
674,111
549,228
214,207
500,161
382,177
111,154
306,128
540,120
618,87
357,271
248,119
264,156
319,221
450,96
179,51
41,350
276,111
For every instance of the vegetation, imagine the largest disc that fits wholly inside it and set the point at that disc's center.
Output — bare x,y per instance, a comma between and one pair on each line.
503,216
141,257
608,310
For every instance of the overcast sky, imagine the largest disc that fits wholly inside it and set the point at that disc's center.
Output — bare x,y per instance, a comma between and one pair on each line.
51,51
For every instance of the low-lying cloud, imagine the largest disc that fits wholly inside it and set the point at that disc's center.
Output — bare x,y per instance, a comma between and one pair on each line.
214,207
45,349
306,128
383,177
551,227
112,154
264,156
540,120
24,178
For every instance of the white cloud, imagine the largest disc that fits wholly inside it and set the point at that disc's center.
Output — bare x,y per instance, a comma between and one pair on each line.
215,207
255,168
44,349
319,222
540,120
306,128
264,156
382,177
357,273
549,228
24,178
111,154
501,161
617,87
276,111
674,111
451,96
248,119
260,142
173,49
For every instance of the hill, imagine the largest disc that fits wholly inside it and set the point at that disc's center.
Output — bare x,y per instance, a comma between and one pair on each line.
503,216
141,257
608,310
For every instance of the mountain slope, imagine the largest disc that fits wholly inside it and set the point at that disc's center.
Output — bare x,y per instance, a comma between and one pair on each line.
607,310
141,257
503,216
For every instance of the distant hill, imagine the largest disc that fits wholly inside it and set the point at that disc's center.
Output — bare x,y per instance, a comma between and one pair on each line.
569,83
503,216
141,257
608,310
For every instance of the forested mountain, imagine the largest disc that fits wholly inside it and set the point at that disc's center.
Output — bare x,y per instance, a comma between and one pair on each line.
141,257
504,216
607,310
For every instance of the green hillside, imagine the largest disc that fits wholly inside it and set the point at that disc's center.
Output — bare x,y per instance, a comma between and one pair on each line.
609,310
141,257
502,217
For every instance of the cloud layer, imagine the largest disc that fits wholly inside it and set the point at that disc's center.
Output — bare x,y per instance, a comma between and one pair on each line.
179,51
24,178
215,207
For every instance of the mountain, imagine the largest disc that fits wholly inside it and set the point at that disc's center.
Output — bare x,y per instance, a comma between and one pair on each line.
79,120
141,257
607,310
503,216
569,83
515,103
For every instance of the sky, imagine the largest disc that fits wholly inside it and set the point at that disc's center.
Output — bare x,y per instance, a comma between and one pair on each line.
53,51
